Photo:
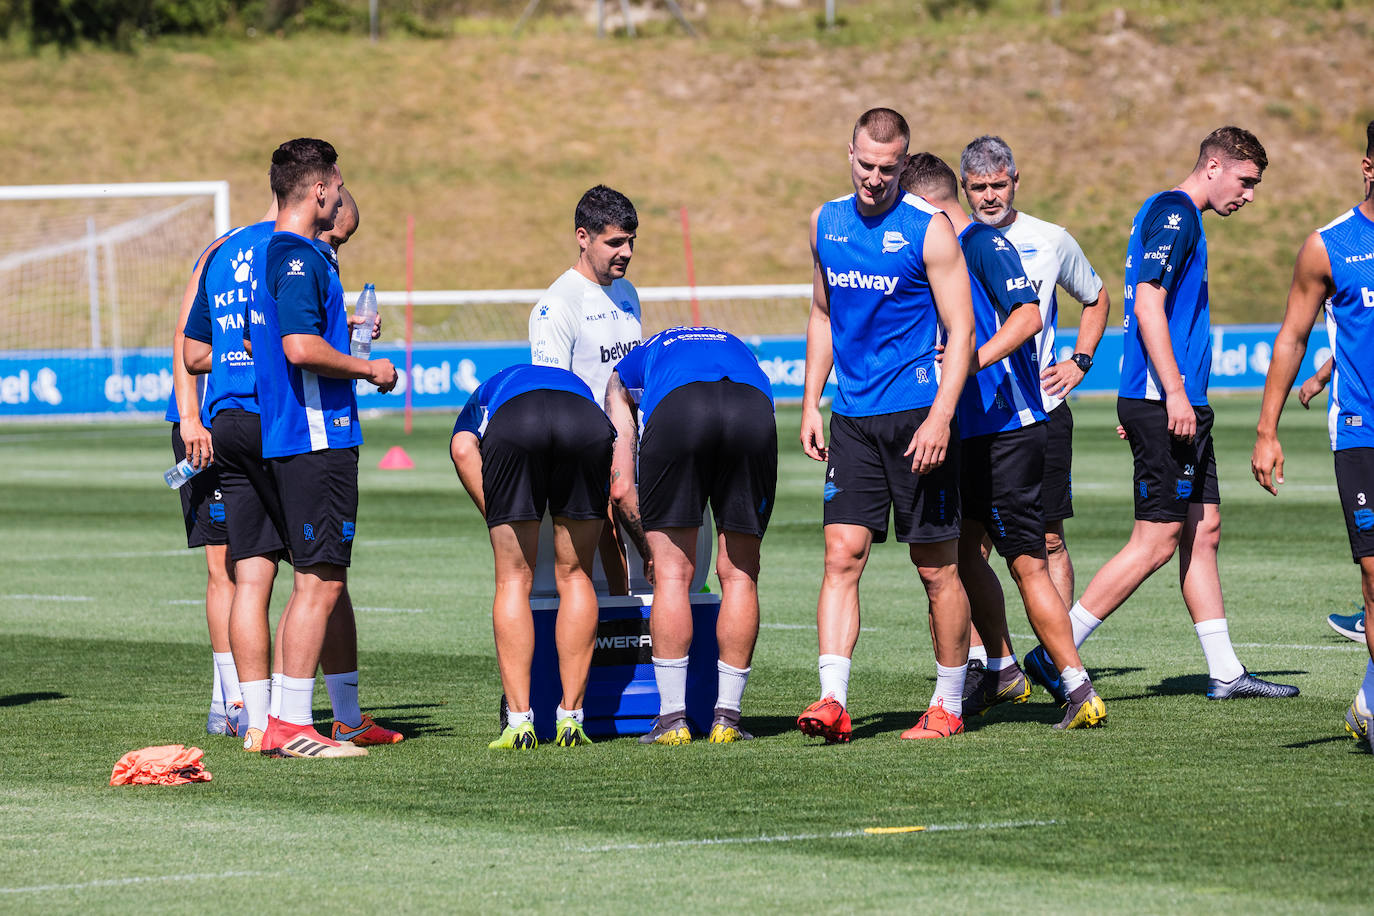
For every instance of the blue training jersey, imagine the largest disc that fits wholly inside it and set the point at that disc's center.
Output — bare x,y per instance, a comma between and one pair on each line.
1349,241
1005,395
883,323
1168,247
680,356
297,291
512,382
217,318
173,414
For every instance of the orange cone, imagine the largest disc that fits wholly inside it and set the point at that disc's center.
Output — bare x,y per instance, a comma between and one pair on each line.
395,459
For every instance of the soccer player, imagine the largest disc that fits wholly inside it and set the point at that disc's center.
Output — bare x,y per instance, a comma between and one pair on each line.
590,317
202,509
1004,431
1335,267
709,435
1163,409
531,438
310,431
1052,259
888,274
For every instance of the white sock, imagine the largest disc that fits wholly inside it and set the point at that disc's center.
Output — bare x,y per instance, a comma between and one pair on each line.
228,678
343,696
1072,679
1215,637
297,699
216,685
514,718
274,707
949,688
835,678
671,676
1002,661
560,714
1083,623
978,653
730,683
1366,690
257,702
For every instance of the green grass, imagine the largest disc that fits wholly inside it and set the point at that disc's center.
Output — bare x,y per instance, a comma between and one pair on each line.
1178,804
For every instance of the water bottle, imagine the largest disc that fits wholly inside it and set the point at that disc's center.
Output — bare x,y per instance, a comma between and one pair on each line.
180,473
366,309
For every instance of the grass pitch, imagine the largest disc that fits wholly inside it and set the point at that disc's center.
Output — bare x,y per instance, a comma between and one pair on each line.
1178,804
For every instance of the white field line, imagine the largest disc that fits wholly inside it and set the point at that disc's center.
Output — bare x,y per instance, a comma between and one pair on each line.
187,601
122,555
122,882
391,610
63,598
1352,647
796,837
805,626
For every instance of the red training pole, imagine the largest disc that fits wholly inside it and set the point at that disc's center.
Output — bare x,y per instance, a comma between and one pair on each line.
691,271
410,310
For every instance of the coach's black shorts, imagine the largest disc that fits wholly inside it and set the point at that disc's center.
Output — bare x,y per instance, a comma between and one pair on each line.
1056,493
546,449
202,503
715,441
256,523
999,485
867,473
1355,484
319,501
1170,474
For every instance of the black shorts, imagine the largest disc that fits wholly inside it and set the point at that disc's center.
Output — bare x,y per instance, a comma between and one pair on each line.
546,449
710,441
867,474
1000,486
202,503
1170,474
319,500
1355,484
1056,493
256,524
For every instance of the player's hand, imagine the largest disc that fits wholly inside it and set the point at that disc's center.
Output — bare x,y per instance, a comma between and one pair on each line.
649,569
1309,390
939,353
1266,463
813,434
1061,378
355,320
1120,431
381,373
1182,417
199,448
929,446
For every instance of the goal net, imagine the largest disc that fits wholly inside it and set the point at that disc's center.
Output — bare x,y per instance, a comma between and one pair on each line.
91,277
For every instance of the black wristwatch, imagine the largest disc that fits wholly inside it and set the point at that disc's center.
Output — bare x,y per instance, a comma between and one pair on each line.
1082,361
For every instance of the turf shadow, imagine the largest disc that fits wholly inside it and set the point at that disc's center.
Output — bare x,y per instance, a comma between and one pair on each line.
24,699
412,726
1196,684
1329,739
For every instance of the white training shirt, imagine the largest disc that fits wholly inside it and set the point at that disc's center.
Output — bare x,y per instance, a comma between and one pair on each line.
585,327
1051,258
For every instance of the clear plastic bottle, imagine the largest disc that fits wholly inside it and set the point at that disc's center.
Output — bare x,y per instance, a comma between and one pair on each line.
180,473
361,342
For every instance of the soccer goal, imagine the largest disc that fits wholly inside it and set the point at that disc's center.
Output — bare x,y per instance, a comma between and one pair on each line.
91,278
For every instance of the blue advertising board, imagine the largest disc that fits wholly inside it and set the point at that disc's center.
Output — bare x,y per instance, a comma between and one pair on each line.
139,382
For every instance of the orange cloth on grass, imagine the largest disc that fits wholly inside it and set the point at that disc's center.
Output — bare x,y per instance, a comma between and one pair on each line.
164,765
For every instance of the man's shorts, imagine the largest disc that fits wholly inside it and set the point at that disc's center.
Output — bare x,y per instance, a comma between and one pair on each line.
710,441
546,450
256,523
1170,474
1000,487
1056,493
202,503
319,502
867,474
1355,484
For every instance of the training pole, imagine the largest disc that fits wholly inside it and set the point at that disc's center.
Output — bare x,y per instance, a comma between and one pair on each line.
691,270
410,309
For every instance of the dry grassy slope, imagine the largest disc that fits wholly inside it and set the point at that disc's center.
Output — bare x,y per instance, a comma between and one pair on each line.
489,141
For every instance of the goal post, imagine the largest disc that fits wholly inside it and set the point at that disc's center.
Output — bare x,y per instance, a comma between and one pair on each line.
91,279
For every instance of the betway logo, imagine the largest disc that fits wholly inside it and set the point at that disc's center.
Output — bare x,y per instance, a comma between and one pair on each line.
624,642
617,351
852,279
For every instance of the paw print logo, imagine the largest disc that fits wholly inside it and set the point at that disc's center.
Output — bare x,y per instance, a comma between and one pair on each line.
1174,220
242,265
296,265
